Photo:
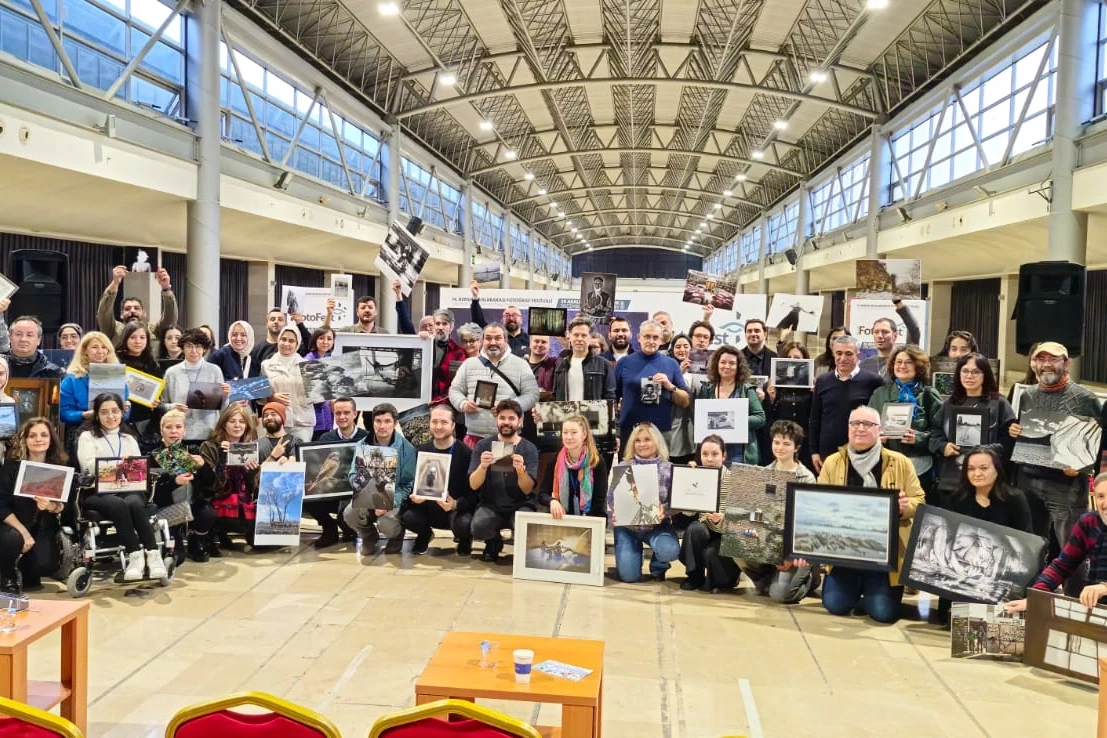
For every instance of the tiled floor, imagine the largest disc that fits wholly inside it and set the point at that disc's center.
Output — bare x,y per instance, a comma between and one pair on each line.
349,637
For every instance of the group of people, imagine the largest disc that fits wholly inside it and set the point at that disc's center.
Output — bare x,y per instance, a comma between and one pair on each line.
830,433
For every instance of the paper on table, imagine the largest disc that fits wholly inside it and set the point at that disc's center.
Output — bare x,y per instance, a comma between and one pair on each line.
564,671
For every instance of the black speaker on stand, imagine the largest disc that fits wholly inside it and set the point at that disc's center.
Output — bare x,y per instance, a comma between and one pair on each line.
43,278
1050,305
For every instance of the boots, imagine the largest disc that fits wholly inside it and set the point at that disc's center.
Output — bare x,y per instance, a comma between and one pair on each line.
196,550
156,565
211,548
10,582
136,566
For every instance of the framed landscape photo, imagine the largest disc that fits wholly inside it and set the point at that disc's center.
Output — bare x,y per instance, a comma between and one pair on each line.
793,373
1057,440
119,476
327,468
547,321
280,504
986,630
567,551
895,419
729,419
106,378
855,527
241,454
204,396
695,489
142,388
51,481
373,368
9,420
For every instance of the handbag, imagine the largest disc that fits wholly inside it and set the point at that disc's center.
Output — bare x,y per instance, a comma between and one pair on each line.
496,370
753,514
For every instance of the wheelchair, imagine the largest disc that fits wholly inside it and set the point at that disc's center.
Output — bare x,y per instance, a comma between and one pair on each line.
90,550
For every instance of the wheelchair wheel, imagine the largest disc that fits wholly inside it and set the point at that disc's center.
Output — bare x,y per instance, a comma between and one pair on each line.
79,582
170,569
67,556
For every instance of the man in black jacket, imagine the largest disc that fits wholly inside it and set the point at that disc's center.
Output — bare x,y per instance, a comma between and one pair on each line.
25,360
760,360
328,512
518,341
420,515
835,396
579,375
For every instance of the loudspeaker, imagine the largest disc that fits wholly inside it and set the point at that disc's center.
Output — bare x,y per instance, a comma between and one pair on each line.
1050,305
415,225
43,287
791,256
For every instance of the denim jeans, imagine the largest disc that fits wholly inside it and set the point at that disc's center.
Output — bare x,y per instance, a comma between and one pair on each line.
628,550
846,589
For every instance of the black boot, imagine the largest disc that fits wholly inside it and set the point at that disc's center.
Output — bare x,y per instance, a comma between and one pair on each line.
210,547
11,582
196,550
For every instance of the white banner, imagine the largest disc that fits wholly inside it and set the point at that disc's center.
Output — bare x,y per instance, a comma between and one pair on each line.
800,312
863,312
311,302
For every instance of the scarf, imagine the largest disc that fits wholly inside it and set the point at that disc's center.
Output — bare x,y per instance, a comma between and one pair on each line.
864,462
906,392
584,475
24,360
1060,386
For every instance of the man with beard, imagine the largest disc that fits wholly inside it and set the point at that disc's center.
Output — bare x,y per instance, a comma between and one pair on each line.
760,360
446,353
511,374
132,308
502,493
20,347
1057,497
371,523
512,319
885,332
541,363
275,322
664,320
366,310
277,443
327,512
618,332
422,516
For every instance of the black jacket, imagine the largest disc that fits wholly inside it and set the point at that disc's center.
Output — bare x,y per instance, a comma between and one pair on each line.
458,483
599,378
599,488
40,368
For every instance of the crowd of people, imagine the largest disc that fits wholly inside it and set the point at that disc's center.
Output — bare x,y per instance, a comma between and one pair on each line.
830,433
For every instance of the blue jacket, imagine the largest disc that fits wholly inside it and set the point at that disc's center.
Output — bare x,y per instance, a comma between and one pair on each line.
74,399
405,466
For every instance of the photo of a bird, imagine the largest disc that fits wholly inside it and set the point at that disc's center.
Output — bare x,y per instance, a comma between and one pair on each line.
326,471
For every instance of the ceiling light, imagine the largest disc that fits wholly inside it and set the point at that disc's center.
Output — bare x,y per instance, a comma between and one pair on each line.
780,125
542,191
486,125
389,9
876,4
739,178
703,224
699,229
447,78
710,216
718,206
587,245
580,238
575,230
694,236
528,176
817,76
757,154
728,193
510,154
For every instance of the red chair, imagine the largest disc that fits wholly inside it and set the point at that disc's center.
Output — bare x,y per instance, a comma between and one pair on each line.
217,719
432,720
18,720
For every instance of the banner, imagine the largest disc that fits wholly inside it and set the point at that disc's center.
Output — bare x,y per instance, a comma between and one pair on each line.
864,312
311,302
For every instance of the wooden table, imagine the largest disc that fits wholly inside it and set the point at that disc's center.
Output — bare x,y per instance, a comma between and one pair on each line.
71,692
455,671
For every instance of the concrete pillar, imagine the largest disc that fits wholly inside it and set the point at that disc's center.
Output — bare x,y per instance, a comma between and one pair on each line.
465,269
386,301
940,299
803,277
878,161
1011,365
202,258
260,278
505,272
763,252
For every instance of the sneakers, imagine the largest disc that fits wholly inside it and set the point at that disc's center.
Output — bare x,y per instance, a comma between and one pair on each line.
155,565
693,582
196,550
465,548
368,545
11,582
492,550
136,566
422,544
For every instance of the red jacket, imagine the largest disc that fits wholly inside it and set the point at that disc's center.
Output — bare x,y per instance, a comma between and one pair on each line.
441,390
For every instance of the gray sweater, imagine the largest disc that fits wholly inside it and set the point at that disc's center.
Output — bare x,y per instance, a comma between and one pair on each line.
464,387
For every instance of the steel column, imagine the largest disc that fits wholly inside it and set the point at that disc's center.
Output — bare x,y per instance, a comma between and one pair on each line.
877,160
803,280
386,305
465,269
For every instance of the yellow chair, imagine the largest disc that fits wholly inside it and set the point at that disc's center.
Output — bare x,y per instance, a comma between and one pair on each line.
18,720
216,719
432,720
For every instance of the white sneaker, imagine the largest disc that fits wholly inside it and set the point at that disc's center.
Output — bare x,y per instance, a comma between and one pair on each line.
136,567
156,565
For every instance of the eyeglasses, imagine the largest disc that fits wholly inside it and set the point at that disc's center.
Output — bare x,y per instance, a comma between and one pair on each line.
971,373
866,424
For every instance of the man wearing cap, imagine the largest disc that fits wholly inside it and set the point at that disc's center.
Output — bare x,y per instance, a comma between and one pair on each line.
276,444
1057,497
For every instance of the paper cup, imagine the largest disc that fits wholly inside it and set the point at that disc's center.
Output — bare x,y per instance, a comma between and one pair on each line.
524,659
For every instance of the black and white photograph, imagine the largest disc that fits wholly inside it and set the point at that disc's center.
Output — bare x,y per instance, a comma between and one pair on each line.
753,504
487,272
695,489
250,388
794,373
136,259
847,526
552,414
943,382
701,288
977,629
546,321
567,551
698,360
485,394
889,279
795,312
7,289
597,296
342,286
401,257
948,365
1018,392
327,468
636,496
9,420
728,418
1057,440
758,381
51,481
651,392
372,368
969,560
204,396
968,427
502,453
895,419
432,472
142,388
241,454
106,378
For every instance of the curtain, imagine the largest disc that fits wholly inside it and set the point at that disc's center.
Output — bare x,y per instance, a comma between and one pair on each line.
1093,362
636,263
363,285
233,298
296,277
837,308
974,307
434,298
176,265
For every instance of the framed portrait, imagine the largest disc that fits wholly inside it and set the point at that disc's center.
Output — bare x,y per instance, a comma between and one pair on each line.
945,552
855,527
9,420
597,295
567,551
895,419
695,489
729,419
32,397
119,476
44,480
142,388
372,368
547,321
1064,636
280,504
794,373
432,475
327,468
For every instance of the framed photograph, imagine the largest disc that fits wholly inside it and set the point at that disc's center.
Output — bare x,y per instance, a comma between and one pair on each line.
547,321
485,394
701,288
637,495
1057,440
986,630
32,397
855,527
796,312
487,272
1018,391
758,381
970,427
280,504
241,454
1064,636
943,382
568,551
889,279
552,414
597,296
401,257
117,476
106,378
730,419
969,560
502,453
327,468
374,477
695,489
373,368
753,508
7,287
895,419
342,286
251,388
795,373
698,360
44,480
432,475
9,420
949,365
142,388
204,396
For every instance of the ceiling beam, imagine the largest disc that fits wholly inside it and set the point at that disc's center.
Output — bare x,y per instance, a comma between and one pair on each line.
640,150
578,193
628,211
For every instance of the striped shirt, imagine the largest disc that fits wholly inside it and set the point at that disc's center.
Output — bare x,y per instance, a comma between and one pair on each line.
1086,542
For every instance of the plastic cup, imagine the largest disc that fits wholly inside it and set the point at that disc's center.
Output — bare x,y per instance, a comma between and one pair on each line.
524,659
488,652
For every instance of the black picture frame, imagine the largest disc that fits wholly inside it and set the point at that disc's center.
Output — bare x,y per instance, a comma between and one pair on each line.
485,394
547,321
877,505
955,432
940,533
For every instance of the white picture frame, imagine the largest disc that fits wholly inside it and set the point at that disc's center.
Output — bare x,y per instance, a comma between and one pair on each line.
575,555
792,373
280,504
432,476
895,419
800,312
51,481
7,287
401,257
377,344
695,489
727,418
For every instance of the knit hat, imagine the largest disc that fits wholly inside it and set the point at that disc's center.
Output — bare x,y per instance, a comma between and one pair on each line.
1052,348
276,407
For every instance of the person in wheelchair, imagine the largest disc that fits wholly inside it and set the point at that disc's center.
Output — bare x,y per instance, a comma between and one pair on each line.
127,511
30,525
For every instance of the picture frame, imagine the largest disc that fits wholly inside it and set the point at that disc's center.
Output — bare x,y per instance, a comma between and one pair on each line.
948,365
970,427
106,378
792,373
385,368
1064,636
754,504
279,504
487,272
978,630
942,382
695,489
9,420
799,313
552,414
7,287
702,288
547,321
401,257
485,394
698,360
120,476
727,418
374,470
889,279
142,388
32,397
241,454
432,475
502,453
943,550
52,481
637,494
895,419
1057,440
854,527
567,551
597,295
327,469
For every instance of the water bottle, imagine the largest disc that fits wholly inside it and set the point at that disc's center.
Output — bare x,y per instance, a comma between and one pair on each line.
924,605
